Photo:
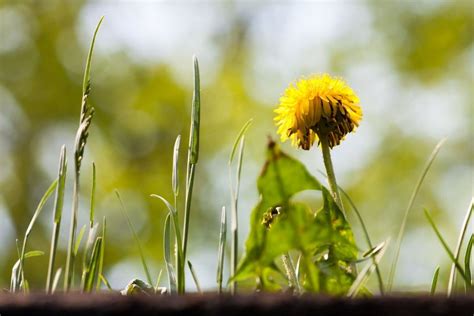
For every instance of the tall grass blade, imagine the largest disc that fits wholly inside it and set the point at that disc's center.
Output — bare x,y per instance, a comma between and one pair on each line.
193,154
80,236
88,253
445,245
102,253
234,194
434,282
401,232
221,251
106,282
290,270
179,256
57,276
82,134
195,278
39,208
457,253
367,238
172,284
87,71
467,263
242,132
92,206
58,209
158,280
135,236
364,275
91,271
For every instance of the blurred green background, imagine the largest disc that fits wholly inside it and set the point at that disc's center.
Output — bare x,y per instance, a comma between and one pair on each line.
410,62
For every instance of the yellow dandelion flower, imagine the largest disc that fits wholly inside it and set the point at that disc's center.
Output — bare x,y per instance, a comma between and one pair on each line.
320,106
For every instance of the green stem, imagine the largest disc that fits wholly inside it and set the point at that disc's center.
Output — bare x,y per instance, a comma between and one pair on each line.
330,171
291,273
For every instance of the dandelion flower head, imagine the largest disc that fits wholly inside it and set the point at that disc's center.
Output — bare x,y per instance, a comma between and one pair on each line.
315,107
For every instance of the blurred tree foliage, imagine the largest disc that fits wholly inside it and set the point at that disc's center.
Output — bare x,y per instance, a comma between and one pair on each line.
141,109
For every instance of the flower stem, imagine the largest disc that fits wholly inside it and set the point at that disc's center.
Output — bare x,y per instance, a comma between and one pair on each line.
330,171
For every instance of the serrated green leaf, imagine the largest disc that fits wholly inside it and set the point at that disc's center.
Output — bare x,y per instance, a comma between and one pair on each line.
279,225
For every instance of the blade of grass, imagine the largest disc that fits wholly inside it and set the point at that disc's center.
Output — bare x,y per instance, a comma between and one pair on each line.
221,251
88,252
444,244
290,270
102,253
80,236
158,280
37,212
401,232
467,263
82,134
57,276
179,255
193,155
242,132
14,285
58,209
367,238
234,193
172,285
457,253
106,282
16,267
364,275
194,275
298,266
92,268
434,282
135,236
92,207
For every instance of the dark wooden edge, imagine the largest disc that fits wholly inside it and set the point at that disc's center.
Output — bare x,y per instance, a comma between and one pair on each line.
249,305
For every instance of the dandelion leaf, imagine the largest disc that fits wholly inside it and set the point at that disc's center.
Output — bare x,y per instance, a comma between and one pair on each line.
279,225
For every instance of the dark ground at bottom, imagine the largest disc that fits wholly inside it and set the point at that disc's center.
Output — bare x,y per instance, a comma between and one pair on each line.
249,305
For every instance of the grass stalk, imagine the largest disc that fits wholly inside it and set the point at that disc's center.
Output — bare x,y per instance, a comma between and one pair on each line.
434,282
58,209
193,155
457,253
445,245
20,278
82,134
365,273
234,193
234,196
291,273
367,238
102,253
401,232
221,251
195,278
467,263
172,283
137,240
180,257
